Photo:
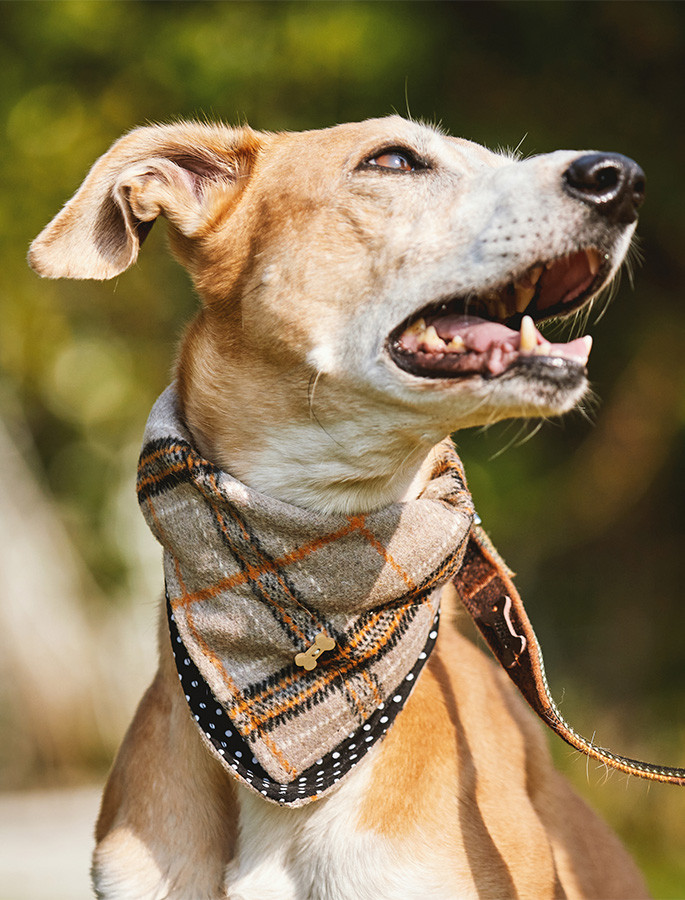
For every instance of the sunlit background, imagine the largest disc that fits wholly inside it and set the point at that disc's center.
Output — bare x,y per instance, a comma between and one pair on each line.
590,511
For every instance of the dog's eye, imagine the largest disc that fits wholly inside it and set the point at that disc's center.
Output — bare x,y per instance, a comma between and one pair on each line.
395,159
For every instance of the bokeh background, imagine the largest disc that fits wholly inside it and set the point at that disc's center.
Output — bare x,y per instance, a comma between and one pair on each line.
589,511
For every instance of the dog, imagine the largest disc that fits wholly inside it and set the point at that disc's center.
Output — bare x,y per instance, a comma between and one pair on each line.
366,290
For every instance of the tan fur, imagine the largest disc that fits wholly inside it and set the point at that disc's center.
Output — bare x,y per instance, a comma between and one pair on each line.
305,262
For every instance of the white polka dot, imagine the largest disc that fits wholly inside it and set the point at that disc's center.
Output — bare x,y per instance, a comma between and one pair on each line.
228,733
367,727
384,719
410,676
319,762
397,698
188,697
186,661
335,755
178,640
203,706
212,725
369,738
352,747
193,683
219,712
353,756
422,655
433,635
238,753
197,718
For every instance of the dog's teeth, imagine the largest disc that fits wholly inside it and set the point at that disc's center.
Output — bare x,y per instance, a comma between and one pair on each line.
523,296
431,340
416,328
457,344
528,340
588,342
593,260
543,349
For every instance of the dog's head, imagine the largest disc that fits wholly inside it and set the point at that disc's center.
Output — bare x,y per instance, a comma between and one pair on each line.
401,270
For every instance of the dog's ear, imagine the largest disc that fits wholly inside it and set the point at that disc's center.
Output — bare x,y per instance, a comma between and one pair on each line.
183,172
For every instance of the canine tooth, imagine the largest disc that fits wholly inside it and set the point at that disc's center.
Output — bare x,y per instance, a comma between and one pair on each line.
417,327
431,339
523,296
528,341
457,343
588,342
543,349
593,260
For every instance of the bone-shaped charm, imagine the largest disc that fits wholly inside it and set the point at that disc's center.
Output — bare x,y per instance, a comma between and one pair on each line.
308,659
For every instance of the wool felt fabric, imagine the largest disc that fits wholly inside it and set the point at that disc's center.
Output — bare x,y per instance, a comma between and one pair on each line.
251,582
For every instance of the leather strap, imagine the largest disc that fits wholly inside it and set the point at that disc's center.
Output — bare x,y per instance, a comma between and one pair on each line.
488,593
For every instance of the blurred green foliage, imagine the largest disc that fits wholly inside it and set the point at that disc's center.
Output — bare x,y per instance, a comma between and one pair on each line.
591,517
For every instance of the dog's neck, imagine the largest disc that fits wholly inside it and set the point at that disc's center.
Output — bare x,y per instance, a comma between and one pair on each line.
332,459
300,463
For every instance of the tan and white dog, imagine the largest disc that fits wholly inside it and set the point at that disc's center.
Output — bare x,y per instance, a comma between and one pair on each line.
367,289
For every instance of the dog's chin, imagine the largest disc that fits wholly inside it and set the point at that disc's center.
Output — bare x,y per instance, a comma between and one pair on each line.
531,387
535,387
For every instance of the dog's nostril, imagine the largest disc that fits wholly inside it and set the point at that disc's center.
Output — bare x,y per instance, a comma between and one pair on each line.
606,178
612,184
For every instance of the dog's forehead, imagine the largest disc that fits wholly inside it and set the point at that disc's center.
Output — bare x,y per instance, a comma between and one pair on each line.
354,141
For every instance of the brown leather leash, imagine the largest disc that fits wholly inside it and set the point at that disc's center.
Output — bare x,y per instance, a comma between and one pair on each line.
488,593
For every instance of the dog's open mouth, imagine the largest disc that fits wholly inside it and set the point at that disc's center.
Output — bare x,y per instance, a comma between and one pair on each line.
486,334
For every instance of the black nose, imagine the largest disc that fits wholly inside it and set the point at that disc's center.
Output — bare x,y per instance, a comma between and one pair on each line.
613,184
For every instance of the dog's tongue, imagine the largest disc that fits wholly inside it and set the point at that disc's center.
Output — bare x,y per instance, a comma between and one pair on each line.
468,344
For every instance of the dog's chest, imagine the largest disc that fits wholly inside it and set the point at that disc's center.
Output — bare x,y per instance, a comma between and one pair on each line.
322,852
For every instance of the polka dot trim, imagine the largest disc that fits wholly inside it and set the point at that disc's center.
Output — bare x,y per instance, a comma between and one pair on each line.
234,751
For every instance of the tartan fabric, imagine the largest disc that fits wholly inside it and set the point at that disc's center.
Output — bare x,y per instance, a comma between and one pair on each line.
252,581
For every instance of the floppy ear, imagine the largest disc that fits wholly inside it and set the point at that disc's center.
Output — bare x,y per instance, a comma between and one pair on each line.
179,171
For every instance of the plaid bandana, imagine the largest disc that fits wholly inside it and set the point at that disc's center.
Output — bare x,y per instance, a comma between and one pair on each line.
298,636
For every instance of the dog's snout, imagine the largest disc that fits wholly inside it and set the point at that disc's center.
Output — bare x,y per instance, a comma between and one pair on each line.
611,183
